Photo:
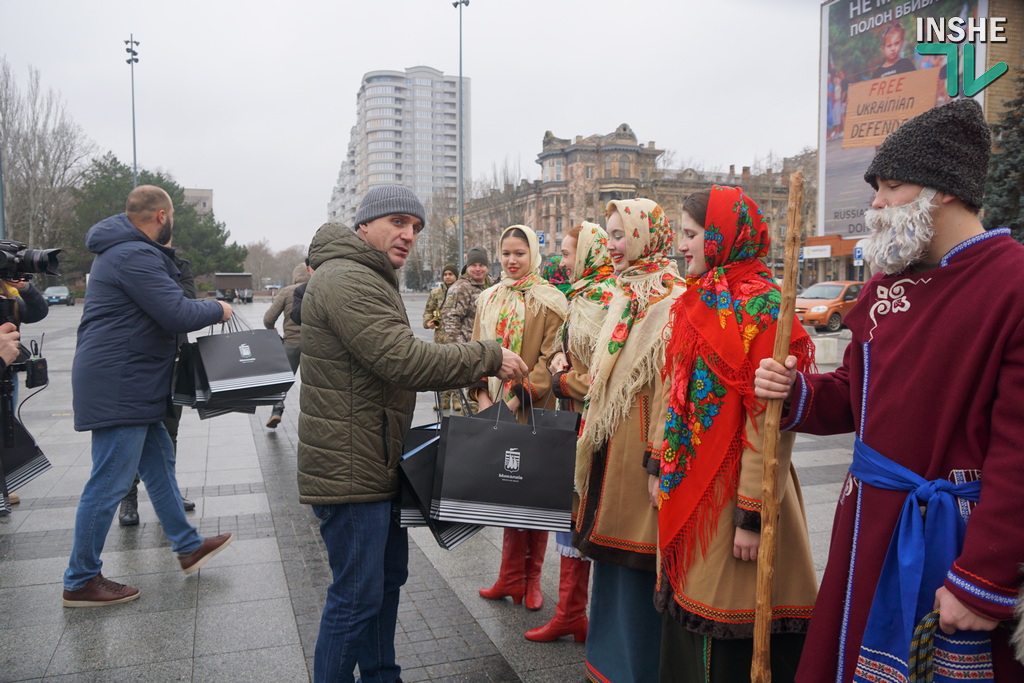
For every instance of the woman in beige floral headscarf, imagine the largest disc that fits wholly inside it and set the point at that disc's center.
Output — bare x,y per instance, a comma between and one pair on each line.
524,313
617,526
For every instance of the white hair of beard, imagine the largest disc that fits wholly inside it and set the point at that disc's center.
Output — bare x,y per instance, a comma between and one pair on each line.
900,235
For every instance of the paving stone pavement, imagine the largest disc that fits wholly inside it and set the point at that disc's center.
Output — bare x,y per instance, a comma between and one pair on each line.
253,612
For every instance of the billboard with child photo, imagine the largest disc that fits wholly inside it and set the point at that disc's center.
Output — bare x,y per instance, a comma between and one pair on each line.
872,80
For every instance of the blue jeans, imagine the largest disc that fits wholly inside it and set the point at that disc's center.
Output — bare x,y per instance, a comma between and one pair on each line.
117,454
369,556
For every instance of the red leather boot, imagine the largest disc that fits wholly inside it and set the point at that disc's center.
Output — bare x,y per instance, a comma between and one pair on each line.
512,575
571,611
538,543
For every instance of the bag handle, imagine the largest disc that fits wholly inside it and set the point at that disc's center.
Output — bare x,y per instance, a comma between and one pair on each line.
532,421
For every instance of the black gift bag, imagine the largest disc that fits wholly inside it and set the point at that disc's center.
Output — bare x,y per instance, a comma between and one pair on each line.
183,391
416,481
406,509
22,462
494,471
243,365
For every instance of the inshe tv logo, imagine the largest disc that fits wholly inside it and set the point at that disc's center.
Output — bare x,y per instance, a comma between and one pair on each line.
968,31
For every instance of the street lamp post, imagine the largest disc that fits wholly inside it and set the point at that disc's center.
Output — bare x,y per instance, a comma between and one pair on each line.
133,59
459,4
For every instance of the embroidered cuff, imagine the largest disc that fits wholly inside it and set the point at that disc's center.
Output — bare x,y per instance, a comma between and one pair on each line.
797,405
560,386
979,595
653,467
749,520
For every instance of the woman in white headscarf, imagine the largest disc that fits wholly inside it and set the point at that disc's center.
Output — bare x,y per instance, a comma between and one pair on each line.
524,313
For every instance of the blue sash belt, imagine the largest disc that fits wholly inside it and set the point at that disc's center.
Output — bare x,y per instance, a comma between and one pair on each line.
928,538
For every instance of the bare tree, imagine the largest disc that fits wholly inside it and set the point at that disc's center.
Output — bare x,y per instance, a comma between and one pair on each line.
497,203
259,261
44,156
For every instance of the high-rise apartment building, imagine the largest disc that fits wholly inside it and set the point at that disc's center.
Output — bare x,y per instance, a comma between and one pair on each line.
406,133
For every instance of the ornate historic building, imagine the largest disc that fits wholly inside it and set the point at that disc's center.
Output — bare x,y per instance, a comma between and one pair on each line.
579,177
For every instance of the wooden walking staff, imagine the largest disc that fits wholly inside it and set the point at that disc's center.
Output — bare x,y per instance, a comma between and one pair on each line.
760,669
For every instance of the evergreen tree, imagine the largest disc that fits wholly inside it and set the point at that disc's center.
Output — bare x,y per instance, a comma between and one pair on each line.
1004,193
201,239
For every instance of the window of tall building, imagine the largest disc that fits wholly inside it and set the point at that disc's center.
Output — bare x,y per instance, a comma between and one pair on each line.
588,172
381,100
423,124
383,166
378,156
422,136
422,81
382,178
421,93
380,89
608,166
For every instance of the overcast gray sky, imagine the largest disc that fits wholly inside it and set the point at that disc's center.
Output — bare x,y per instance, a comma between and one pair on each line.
255,99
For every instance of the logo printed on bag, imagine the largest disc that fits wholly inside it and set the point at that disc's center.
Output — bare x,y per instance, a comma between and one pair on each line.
246,353
512,460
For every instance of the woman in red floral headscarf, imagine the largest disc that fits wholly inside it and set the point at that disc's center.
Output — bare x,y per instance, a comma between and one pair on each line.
708,480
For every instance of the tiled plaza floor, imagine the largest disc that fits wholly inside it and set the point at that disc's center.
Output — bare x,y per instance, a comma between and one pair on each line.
252,613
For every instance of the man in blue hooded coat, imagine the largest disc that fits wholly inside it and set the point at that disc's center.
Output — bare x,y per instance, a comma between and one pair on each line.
121,383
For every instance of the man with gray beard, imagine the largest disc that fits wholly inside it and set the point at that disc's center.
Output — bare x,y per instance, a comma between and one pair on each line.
933,386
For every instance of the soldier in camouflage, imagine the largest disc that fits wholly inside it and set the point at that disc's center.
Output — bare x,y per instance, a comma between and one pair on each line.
432,319
459,310
432,313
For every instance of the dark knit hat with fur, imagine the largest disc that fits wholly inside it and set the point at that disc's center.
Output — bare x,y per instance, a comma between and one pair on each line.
384,200
945,148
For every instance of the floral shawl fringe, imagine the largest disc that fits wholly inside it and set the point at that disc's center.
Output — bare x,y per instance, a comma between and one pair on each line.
720,328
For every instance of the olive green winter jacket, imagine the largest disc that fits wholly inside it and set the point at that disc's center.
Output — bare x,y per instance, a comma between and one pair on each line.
361,369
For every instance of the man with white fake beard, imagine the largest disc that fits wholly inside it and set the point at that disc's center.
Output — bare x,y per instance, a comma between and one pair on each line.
933,386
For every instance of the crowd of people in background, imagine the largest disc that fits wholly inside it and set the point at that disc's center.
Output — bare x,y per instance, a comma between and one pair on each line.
672,372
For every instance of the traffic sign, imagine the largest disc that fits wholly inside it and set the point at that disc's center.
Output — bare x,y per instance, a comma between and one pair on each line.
858,253
540,238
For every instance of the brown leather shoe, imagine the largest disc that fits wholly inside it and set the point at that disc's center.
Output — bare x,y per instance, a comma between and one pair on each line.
98,592
210,547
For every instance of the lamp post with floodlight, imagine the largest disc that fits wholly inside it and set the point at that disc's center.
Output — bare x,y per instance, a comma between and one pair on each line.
459,4
133,59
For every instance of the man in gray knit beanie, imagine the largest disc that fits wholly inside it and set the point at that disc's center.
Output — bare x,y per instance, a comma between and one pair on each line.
933,392
361,368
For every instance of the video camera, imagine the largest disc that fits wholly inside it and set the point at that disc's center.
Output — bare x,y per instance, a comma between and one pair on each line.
18,262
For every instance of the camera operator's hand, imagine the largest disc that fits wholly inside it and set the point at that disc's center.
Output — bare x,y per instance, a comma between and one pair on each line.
9,347
227,311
